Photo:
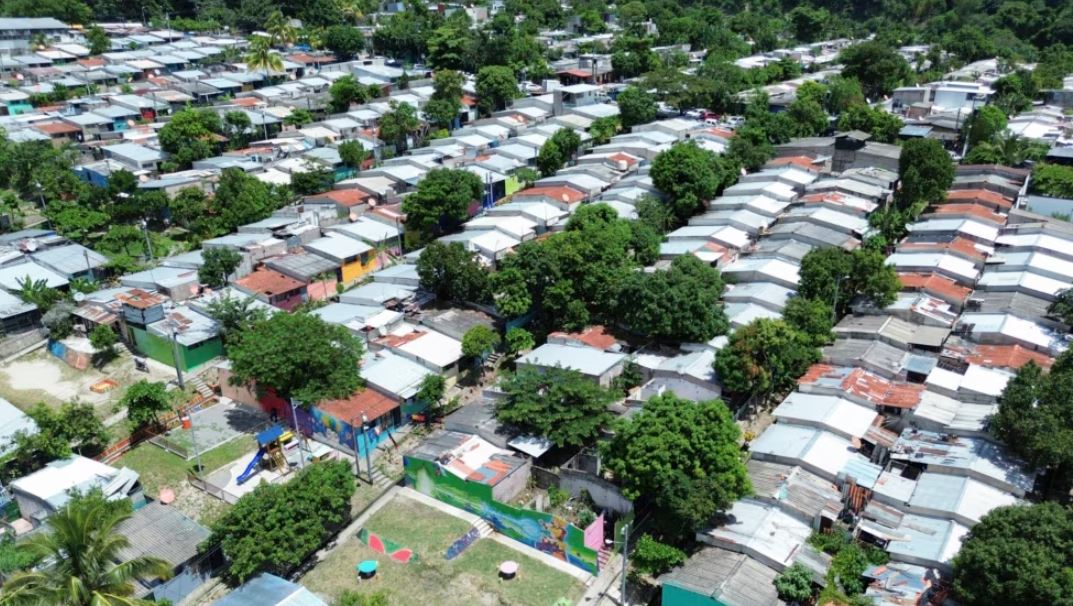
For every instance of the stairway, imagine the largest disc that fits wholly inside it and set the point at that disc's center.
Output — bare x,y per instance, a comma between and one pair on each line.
484,529
380,480
602,558
494,358
199,386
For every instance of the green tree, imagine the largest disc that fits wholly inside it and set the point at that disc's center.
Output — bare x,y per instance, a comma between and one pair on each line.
316,178
655,558
750,147
353,154
433,387
519,340
298,117
602,129
496,87
39,293
103,340
836,277
883,126
73,428
262,57
809,117
810,316
399,124
188,135
239,128
550,158
512,296
926,171
236,316
635,107
679,304
453,273
986,124
1062,306
241,198
219,262
87,563
144,401
764,356
690,175
442,107
321,364
1014,93
560,405
1053,180
878,68
344,41
277,526
279,29
479,341
99,42
843,93
442,200
794,584
1017,555
344,92
682,456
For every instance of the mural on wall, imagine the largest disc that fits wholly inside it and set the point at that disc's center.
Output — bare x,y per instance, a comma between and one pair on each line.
551,534
462,543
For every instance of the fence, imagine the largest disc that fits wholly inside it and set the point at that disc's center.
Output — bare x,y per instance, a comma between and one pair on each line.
167,422
211,489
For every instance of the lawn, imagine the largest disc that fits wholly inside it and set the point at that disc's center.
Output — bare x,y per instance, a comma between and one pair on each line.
472,578
159,467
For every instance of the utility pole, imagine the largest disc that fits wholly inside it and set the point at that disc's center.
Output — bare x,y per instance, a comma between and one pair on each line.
354,435
365,436
298,430
175,355
148,245
625,562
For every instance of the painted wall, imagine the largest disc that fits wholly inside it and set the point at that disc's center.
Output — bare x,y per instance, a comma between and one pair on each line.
319,291
357,268
684,597
512,185
160,349
550,534
322,426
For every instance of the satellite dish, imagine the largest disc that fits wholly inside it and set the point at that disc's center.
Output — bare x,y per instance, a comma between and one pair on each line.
79,297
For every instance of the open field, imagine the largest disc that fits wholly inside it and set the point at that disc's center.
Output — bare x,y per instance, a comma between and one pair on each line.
470,579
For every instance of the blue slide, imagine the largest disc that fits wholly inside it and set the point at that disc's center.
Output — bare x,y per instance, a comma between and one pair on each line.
252,467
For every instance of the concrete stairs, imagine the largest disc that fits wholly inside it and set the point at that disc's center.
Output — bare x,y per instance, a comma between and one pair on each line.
484,529
380,480
199,386
603,557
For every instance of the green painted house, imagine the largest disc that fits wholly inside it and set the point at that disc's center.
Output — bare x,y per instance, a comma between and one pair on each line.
717,577
164,334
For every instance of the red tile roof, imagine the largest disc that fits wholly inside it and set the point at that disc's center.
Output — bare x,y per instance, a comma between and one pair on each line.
343,197
593,336
269,282
140,299
57,128
977,211
804,162
936,285
469,101
92,62
983,196
722,132
576,72
621,157
369,402
1006,356
963,246
246,101
867,385
564,194
400,340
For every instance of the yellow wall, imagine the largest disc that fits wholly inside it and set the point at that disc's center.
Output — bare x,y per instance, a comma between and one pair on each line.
354,270
512,185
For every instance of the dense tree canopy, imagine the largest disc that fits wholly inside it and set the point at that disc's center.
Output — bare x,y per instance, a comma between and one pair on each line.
298,356
764,356
635,106
677,452
453,273
690,176
442,200
926,171
561,405
837,277
1020,554
679,304
878,68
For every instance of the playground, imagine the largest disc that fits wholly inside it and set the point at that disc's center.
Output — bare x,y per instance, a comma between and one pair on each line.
212,427
409,541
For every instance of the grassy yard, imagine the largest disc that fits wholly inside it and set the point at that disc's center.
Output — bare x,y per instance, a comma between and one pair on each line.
159,467
472,578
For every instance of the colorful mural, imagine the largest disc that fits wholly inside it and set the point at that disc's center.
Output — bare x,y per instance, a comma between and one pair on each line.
551,534
462,543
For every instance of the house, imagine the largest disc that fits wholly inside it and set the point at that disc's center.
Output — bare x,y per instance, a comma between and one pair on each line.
274,288
16,315
71,261
599,366
17,32
270,590
13,421
433,350
963,457
183,332
471,458
47,490
354,257
135,156
719,577
160,531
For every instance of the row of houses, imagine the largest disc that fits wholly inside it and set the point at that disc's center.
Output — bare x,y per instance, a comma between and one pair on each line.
889,430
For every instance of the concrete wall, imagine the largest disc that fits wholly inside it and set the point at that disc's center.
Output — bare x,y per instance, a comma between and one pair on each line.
604,494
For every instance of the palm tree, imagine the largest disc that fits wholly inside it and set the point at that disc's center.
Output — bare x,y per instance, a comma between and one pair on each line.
82,555
261,56
353,9
280,29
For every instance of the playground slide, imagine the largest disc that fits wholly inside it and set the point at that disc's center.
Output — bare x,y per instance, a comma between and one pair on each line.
252,467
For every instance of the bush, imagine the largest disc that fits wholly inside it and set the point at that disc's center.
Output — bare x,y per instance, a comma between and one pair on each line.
794,584
652,557
58,320
557,496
